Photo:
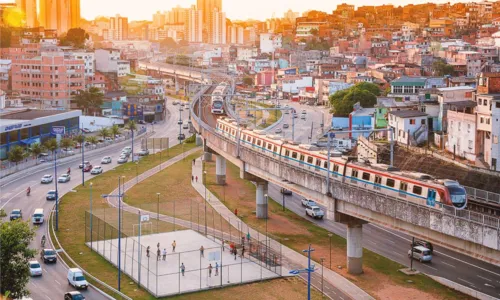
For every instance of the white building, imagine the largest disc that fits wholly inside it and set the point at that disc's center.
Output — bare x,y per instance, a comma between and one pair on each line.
5,66
270,42
118,28
194,25
408,122
236,35
461,124
217,30
246,53
88,58
293,85
495,133
108,61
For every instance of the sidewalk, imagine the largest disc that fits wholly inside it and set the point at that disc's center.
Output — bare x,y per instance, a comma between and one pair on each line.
335,286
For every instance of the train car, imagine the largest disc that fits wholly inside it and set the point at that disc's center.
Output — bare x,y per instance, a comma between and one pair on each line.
217,102
419,188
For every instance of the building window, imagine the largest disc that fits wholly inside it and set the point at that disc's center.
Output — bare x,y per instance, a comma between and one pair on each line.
488,121
485,102
422,121
482,120
398,89
412,121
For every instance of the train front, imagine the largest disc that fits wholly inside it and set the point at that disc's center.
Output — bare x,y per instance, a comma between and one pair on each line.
457,193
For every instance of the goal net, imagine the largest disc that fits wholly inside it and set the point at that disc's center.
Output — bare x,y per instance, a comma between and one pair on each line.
146,228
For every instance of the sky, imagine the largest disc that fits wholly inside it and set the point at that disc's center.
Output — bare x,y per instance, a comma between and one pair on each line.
235,9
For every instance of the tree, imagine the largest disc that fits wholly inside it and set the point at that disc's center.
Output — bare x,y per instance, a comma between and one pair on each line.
248,80
343,101
314,31
92,139
441,68
89,100
36,149
66,143
79,139
51,145
14,257
16,154
115,130
74,37
168,42
104,132
371,87
131,125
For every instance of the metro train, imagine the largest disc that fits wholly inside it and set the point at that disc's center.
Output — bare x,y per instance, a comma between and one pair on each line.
419,188
217,104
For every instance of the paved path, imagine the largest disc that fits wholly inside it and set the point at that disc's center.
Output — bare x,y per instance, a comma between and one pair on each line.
335,286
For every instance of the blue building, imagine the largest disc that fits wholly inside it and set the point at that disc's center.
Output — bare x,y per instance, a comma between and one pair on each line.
361,119
27,126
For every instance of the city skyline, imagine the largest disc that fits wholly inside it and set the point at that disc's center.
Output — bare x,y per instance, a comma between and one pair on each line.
235,10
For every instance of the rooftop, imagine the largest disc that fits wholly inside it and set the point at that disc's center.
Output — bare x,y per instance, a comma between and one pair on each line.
28,114
408,113
456,88
407,81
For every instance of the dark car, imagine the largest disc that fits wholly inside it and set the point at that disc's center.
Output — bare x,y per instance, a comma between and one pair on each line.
285,191
425,244
51,195
16,214
74,295
87,168
181,137
48,255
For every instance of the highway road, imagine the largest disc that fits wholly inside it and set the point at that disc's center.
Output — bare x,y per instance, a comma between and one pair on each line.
394,245
53,283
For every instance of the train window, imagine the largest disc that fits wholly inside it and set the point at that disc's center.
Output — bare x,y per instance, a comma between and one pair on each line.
390,182
258,142
287,153
378,179
269,146
310,159
294,154
325,164
366,176
335,168
302,157
249,138
417,190
253,141
403,186
354,173
264,144
275,149
318,162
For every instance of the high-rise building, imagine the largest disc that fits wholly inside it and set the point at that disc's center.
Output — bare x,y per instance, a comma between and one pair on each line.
177,15
159,19
193,31
217,27
118,28
59,14
29,9
208,6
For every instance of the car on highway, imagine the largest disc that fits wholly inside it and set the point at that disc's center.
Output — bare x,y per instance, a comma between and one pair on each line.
315,212
285,126
287,112
67,151
64,178
76,279
185,126
303,117
179,122
108,140
143,152
285,191
423,243
420,253
47,179
175,103
295,116
181,109
51,195
127,149
304,111
181,137
307,203
87,168
182,104
122,159
106,160
35,268
278,131
16,214
74,295
48,255
84,164
96,170
125,153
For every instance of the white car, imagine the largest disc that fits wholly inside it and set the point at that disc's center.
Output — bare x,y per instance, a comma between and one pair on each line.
64,178
122,160
35,268
278,131
47,178
315,212
84,164
96,170
185,126
303,117
67,151
106,160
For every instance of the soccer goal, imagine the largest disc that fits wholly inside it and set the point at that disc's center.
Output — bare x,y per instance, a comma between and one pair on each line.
146,228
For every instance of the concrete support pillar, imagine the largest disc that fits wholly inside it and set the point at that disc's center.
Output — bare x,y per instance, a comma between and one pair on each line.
199,140
261,200
354,248
330,214
220,169
207,156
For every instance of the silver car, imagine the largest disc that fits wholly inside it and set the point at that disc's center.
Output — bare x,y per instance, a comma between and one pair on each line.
47,178
122,160
420,253
64,178
106,160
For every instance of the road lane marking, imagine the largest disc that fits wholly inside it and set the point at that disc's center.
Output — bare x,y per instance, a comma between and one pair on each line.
57,282
48,297
441,253
372,242
484,278
448,264
465,281
430,267
397,253
20,192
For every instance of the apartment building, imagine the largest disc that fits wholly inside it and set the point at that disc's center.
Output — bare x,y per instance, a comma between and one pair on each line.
118,29
108,61
51,78
461,129
217,27
5,67
193,31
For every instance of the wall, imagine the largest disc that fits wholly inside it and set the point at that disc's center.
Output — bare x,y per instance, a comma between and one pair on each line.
462,134
96,123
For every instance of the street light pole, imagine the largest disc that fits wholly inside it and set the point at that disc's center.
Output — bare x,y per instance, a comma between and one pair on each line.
157,211
322,292
119,234
83,158
91,239
267,217
57,191
205,184
330,236
309,271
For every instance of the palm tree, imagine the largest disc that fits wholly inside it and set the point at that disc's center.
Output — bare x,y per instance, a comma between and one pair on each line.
16,154
92,139
91,99
115,130
79,139
132,126
66,143
36,149
104,132
51,145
